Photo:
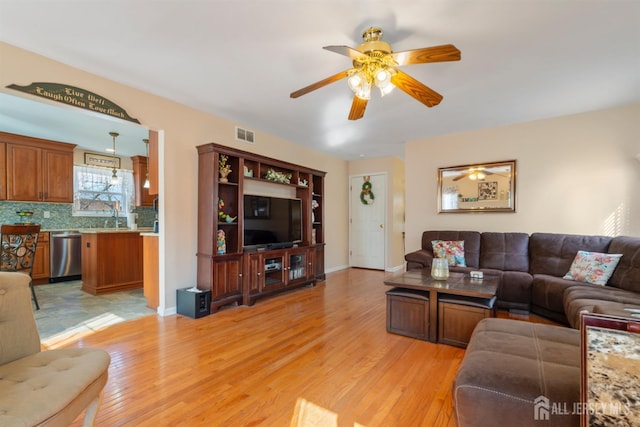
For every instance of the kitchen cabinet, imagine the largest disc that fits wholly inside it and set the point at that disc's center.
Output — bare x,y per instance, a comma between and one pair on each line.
3,175
111,261
38,170
150,270
41,263
153,162
143,198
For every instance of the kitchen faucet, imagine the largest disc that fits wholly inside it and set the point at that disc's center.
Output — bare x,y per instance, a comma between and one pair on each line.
115,215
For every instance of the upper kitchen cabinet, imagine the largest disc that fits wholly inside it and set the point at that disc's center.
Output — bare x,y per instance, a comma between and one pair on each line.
38,170
153,162
3,176
140,170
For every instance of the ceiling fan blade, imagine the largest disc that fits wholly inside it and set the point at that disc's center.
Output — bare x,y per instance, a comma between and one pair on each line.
446,52
321,83
414,88
357,108
346,51
458,178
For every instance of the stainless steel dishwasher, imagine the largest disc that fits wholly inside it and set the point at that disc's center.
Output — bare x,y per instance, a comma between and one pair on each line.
65,255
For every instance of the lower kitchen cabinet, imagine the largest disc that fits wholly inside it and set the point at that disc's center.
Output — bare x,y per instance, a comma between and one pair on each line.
111,261
150,270
41,270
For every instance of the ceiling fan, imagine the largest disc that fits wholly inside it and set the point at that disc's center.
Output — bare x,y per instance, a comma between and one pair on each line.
477,174
374,64
474,174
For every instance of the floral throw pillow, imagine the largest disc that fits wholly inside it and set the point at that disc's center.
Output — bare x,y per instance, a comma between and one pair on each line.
593,267
452,250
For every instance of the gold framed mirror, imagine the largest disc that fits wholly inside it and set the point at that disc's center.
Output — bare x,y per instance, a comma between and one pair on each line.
483,187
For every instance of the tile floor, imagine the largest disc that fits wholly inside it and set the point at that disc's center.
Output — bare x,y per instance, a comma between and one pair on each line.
66,310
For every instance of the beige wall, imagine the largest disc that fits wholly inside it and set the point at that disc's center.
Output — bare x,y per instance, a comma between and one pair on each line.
575,174
394,168
184,129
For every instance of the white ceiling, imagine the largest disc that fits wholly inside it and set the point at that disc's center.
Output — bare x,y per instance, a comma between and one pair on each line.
239,59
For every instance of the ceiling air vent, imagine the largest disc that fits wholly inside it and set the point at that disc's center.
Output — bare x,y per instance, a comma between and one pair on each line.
245,135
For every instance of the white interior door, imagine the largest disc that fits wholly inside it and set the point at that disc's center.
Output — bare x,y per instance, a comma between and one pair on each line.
368,221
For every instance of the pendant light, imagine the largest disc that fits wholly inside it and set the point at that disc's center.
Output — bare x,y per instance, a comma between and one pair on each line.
146,181
114,175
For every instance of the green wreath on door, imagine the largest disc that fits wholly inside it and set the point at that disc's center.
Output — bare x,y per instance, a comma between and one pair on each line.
366,195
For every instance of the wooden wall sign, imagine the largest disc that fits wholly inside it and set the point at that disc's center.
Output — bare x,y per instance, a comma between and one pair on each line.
93,159
76,97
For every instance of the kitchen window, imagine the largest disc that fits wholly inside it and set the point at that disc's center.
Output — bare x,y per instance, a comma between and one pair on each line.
95,195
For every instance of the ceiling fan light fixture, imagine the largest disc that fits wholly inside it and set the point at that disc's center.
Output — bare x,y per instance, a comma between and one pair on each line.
383,81
382,77
365,91
355,82
360,84
374,64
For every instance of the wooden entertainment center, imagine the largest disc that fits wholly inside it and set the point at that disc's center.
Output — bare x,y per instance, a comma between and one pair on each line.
235,275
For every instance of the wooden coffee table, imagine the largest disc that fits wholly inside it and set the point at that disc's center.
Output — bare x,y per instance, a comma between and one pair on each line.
455,305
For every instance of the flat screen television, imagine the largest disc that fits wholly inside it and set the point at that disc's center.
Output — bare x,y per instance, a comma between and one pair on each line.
271,222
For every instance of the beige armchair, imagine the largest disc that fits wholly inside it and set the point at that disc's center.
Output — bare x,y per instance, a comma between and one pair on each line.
42,388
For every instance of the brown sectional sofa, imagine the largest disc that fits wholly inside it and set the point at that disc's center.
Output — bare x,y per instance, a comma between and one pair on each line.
510,367
531,268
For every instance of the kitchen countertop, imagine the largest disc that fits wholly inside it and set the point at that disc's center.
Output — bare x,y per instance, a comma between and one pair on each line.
114,230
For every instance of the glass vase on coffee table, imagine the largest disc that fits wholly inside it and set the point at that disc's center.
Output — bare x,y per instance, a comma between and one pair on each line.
440,269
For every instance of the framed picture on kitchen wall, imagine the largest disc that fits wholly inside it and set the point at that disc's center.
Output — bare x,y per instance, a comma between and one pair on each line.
481,187
94,159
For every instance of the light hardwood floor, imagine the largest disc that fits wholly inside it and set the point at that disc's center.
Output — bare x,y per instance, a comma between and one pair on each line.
312,357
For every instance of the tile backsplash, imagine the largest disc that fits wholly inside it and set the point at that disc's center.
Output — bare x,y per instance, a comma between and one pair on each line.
60,217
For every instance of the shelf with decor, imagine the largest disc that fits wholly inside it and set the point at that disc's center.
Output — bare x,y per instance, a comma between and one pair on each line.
317,204
316,183
229,266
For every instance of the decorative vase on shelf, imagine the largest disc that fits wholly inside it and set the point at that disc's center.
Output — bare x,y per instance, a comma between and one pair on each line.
221,245
440,269
224,173
224,168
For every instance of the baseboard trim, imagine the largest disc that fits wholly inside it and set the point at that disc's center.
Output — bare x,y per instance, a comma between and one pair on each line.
395,269
333,270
